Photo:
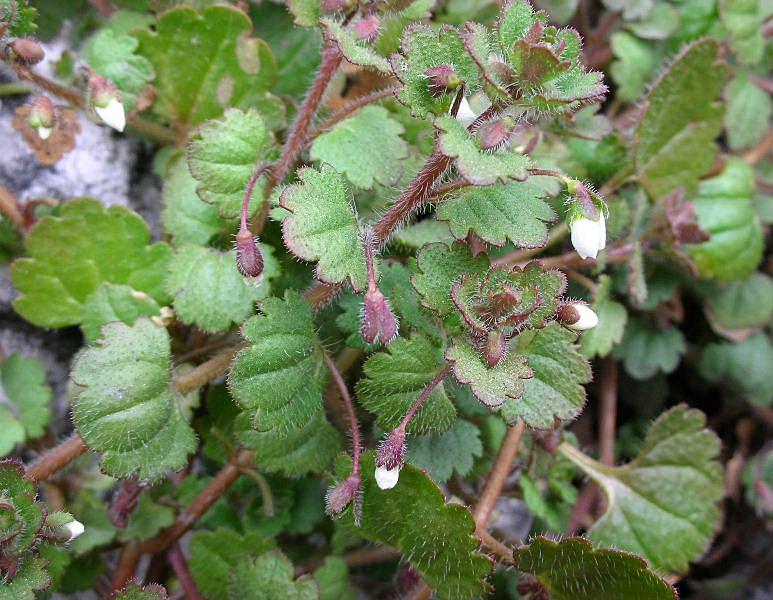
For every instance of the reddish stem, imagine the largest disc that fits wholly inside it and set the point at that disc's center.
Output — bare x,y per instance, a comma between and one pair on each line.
256,173
608,411
350,109
424,395
353,422
180,567
57,458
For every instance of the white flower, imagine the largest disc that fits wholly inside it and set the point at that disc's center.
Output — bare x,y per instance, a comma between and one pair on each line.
465,114
588,319
387,478
113,114
75,528
588,237
44,132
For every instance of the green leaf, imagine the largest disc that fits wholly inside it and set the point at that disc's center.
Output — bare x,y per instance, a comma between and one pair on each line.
126,408
322,226
493,386
395,378
748,112
477,166
186,217
739,306
675,138
725,211
333,580
428,231
556,391
147,519
214,554
20,17
224,68
516,212
647,350
21,516
208,289
114,57
441,455
612,315
437,538
71,255
135,591
356,51
268,577
306,12
366,148
746,366
572,568
743,20
440,266
422,49
24,400
223,153
635,64
281,376
32,577
112,302
663,504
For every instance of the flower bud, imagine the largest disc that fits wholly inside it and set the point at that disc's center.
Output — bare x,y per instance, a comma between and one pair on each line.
495,134
377,322
61,527
339,497
441,80
496,348
587,223
465,115
367,28
577,315
75,528
332,6
249,259
27,51
390,459
41,117
107,102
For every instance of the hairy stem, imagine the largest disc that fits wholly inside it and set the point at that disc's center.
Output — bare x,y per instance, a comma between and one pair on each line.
57,458
351,108
256,173
206,371
353,422
180,567
424,395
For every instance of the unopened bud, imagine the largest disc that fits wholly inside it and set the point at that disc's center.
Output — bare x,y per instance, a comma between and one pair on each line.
41,117
342,495
441,80
496,348
577,315
496,134
390,459
249,259
61,527
367,28
586,220
107,102
27,51
377,322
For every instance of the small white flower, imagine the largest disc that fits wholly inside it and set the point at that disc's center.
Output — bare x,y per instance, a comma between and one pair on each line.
588,237
75,528
465,114
44,132
113,114
588,319
387,478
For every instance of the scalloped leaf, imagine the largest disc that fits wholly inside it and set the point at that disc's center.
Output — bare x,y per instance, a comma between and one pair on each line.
556,391
395,378
675,138
516,212
269,576
224,68
22,516
281,376
663,504
222,155
24,401
366,148
72,254
477,166
493,386
208,289
440,266
572,568
322,226
647,350
437,538
30,579
126,408
112,302
442,454
114,57
424,48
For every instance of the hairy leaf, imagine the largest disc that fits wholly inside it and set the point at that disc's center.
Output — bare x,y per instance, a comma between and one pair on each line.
112,302
356,51
663,504
135,591
516,212
126,408
556,391
224,68
24,399
437,538
366,148
749,109
71,255
675,138
395,378
322,226
647,349
333,580
31,579
442,454
222,155
635,64
572,568
267,577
